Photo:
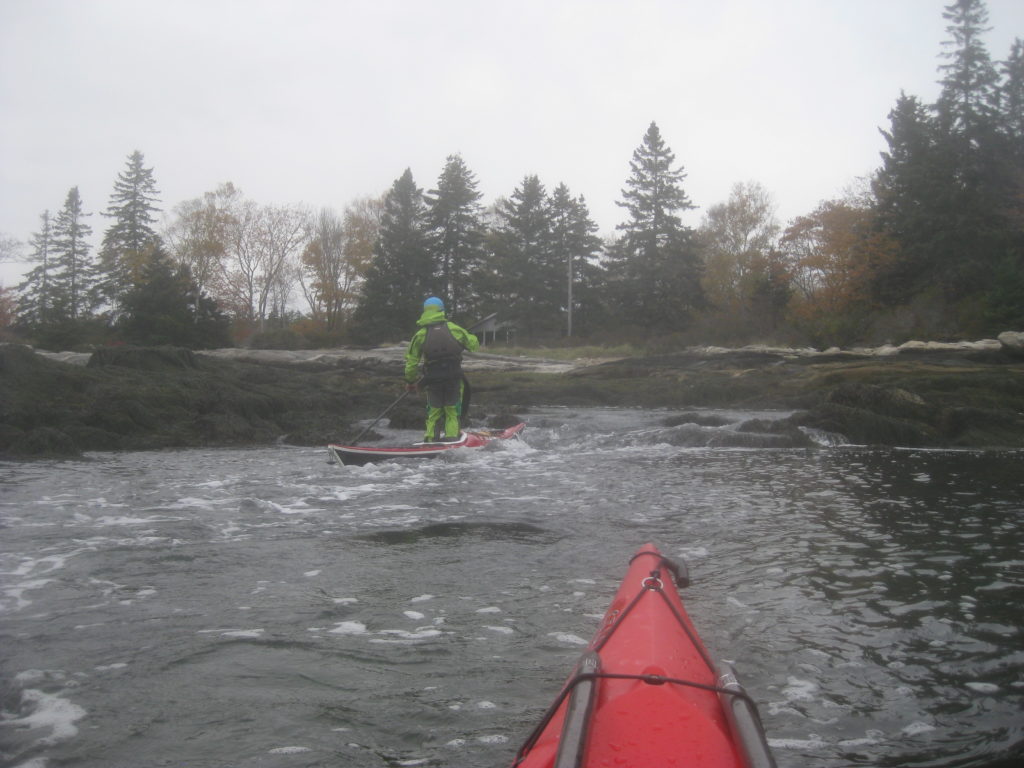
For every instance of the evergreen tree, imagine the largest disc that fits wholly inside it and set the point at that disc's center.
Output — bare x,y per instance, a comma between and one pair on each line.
946,189
165,306
969,100
1012,97
1005,307
456,224
524,278
575,246
36,303
131,237
70,248
654,267
400,276
969,123
914,190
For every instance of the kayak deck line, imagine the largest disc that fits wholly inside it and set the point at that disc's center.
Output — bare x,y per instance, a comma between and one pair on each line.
581,697
463,436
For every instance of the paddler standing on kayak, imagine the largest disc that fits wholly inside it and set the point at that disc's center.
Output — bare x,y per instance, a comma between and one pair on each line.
439,343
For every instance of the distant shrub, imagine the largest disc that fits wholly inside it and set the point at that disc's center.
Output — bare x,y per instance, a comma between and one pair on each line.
277,338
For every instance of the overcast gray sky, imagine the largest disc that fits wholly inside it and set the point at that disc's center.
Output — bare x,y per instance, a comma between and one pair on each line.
323,101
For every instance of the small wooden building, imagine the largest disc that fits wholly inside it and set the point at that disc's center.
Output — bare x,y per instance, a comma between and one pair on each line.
491,329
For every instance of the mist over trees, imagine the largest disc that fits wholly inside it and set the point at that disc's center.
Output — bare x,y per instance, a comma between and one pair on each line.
931,245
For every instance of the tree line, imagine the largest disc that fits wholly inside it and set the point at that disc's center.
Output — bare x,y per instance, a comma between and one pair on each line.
931,245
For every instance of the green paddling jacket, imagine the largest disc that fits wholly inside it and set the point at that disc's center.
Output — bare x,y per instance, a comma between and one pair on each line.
432,316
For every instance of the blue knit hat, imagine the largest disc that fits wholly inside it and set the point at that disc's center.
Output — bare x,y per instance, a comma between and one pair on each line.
433,301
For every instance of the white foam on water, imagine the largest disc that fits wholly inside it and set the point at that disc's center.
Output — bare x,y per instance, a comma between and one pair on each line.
30,676
915,728
567,637
871,737
232,632
489,609
997,586
217,483
288,750
311,574
348,628
48,710
799,690
501,630
47,564
486,705
813,742
493,739
414,615
109,667
983,687
244,633
421,598
16,595
693,553
403,637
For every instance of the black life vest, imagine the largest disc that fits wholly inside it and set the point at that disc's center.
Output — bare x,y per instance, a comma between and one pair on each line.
442,354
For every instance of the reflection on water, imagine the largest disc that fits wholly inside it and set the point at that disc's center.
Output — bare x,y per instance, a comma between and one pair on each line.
264,608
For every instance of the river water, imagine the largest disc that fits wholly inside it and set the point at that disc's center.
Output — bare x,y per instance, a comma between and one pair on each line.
215,608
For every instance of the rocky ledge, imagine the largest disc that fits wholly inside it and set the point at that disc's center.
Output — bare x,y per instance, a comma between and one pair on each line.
968,394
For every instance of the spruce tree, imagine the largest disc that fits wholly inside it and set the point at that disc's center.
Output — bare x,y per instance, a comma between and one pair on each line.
1005,305
130,239
574,245
37,302
400,276
969,100
165,306
654,266
947,187
74,268
525,280
1012,98
969,123
457,234
914,190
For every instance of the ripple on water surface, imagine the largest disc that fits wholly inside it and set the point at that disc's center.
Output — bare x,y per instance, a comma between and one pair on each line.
267,608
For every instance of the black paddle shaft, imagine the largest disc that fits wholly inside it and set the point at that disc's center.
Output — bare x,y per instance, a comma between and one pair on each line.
386,411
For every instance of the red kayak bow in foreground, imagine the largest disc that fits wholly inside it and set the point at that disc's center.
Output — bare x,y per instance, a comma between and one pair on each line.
646,693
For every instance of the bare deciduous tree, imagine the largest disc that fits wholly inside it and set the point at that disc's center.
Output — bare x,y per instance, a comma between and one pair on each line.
200,233
336,258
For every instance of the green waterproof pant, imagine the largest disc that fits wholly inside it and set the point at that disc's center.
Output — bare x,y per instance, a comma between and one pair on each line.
443,401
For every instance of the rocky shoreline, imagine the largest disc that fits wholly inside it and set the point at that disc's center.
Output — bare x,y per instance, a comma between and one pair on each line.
966,394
